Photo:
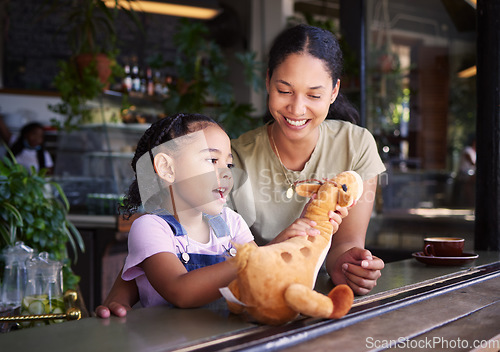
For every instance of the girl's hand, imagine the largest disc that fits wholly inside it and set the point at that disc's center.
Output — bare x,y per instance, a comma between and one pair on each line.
359,269
122,296
300,227
115,308
305,227
337,216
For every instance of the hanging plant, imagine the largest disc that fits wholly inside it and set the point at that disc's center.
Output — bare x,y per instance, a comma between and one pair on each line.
92,67
201,84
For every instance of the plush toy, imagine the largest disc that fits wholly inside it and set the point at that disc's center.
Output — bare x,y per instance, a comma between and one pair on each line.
275,283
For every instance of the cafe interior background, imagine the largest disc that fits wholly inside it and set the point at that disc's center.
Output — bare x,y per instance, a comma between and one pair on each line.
413,80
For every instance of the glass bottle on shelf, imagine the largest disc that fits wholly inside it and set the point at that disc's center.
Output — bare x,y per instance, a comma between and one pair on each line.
158,86
136,80
143,81
127,81
150,88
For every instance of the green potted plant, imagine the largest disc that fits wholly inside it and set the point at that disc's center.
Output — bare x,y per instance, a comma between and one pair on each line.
92,66
33,209
202,84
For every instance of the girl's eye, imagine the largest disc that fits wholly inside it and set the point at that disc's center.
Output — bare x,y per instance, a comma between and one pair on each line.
213,160
283,92
230,166
315,96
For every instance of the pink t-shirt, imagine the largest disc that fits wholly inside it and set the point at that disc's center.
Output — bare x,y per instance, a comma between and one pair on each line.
150,235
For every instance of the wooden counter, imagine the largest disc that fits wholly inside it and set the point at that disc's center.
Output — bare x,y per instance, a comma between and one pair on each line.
410,301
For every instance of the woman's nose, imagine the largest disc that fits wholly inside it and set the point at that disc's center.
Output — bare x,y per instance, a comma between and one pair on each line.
297,106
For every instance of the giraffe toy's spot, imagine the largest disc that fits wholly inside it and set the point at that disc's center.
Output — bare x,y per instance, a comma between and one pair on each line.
287,257
305,251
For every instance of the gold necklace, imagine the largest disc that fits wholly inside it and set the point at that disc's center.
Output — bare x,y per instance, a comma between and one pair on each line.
290,190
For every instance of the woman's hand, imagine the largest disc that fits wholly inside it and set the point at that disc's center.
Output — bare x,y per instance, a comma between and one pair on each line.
347,262
357,268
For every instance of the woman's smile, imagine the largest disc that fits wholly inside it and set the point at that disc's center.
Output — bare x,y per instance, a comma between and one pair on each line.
297,123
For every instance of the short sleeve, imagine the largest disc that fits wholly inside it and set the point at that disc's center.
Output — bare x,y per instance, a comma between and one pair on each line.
368,163
239,229
148,235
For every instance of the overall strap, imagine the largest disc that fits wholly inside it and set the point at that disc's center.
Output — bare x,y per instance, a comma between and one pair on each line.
176,226
216,223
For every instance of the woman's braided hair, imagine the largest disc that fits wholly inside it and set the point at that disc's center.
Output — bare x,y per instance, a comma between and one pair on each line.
161,131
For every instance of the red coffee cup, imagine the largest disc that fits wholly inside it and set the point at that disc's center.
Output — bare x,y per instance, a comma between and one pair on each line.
443,246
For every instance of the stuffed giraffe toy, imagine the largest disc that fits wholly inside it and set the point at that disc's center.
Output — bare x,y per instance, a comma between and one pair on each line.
275,283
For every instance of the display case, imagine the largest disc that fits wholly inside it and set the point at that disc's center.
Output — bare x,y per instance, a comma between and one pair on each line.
93,162
93,165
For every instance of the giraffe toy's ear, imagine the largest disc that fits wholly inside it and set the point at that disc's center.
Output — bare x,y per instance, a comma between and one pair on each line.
307,189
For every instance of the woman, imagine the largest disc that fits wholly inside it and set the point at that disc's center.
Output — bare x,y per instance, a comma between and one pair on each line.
303,83
29,148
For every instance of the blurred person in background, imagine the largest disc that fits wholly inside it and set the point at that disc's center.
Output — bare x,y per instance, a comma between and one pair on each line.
29,148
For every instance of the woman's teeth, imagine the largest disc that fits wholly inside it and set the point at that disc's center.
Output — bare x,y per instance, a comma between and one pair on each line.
296,122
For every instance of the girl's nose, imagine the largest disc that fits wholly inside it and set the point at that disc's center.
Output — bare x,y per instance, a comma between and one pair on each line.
223,173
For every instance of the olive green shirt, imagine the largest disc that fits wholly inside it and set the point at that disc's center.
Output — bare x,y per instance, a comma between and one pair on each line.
259,193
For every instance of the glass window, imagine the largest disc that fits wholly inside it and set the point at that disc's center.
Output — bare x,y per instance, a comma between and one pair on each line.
420,105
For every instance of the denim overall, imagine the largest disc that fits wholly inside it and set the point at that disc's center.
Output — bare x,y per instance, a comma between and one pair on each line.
196,261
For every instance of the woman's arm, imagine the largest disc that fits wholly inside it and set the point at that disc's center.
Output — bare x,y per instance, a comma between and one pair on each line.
347,261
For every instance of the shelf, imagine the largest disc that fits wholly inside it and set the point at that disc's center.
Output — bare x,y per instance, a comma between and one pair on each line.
120,126
111,155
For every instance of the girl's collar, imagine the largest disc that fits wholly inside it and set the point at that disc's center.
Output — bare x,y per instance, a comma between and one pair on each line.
216,223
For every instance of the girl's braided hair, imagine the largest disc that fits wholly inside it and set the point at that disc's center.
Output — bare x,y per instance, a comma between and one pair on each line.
160,132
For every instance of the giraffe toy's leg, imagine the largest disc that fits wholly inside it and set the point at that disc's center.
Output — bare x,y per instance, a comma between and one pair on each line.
314,304
342,298
232,305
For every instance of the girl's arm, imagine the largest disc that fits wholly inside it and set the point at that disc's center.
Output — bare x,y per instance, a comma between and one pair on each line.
170,279
347,261
122,296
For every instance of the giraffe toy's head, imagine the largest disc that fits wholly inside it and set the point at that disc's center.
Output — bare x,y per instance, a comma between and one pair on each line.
344,189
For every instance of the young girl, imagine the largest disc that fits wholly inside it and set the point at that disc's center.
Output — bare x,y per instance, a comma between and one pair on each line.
182,180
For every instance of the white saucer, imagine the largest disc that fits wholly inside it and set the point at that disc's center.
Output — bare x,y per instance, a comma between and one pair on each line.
431,260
